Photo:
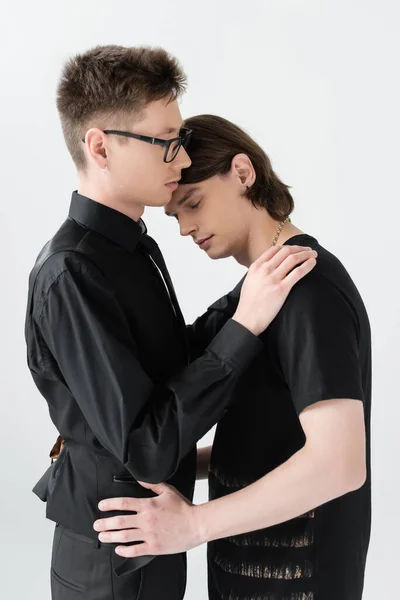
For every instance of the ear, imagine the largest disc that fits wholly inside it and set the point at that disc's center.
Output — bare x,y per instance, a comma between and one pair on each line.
242,168
96,146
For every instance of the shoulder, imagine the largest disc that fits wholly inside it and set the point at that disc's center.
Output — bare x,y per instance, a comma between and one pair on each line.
328,280
325,301
67,254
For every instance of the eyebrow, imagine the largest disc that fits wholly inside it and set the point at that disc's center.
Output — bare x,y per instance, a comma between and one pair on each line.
189,194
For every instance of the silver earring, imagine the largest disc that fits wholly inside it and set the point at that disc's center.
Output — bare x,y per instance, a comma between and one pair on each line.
105,170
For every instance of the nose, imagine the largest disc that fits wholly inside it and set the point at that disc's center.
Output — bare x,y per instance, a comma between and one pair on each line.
182,161
186,228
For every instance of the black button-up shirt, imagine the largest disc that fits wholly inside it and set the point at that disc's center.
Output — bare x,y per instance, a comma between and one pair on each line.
108,350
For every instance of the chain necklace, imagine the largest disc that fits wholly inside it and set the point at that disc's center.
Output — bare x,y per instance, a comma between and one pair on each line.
278,231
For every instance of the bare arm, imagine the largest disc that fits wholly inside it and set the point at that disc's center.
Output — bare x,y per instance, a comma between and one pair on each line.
331,464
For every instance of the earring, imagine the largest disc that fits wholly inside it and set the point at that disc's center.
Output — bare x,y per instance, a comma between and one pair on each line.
104,170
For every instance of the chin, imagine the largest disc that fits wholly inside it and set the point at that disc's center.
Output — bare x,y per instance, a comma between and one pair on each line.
216,254
160,201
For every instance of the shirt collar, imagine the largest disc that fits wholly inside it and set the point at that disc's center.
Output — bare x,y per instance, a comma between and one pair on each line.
110,223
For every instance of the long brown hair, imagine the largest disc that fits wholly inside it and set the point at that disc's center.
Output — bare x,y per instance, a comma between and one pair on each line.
214,143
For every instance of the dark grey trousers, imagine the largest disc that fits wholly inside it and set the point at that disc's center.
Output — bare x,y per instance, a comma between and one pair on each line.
84,570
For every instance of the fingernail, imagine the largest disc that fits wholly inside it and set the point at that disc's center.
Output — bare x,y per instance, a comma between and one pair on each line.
101,505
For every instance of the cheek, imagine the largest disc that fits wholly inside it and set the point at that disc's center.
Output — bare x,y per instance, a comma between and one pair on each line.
230,223
226,211
159,173
229,235
129,167
146,165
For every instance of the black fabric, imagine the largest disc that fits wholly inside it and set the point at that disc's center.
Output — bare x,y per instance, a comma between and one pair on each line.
82,569
317,348
107,348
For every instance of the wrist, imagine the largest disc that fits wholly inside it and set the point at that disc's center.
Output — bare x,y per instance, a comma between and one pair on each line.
200,529
247,323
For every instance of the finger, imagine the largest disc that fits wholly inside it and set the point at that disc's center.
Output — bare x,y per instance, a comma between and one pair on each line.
131,504
157,488
266,256
298,273
121,537
134,551
120,522
292,261
283,253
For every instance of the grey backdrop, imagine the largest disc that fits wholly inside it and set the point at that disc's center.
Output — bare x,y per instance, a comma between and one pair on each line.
317,84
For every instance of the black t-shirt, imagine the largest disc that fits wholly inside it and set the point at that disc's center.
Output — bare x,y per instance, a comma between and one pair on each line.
318,348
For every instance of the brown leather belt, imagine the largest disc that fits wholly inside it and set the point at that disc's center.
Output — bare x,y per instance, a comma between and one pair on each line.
57,448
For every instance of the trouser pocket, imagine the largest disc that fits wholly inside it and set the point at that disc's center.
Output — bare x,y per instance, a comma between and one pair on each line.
82,569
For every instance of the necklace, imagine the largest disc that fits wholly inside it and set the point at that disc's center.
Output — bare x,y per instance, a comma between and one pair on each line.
278,231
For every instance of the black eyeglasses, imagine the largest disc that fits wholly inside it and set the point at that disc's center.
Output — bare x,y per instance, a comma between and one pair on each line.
172,146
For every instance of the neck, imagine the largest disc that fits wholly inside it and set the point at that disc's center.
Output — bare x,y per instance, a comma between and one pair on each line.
99,193
260,236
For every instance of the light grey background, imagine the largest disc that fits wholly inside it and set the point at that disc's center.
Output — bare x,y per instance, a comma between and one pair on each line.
316,83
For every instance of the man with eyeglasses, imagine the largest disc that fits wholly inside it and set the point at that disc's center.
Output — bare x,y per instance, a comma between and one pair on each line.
106,340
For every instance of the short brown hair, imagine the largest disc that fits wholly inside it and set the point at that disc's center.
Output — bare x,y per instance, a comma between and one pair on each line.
214,143
109,82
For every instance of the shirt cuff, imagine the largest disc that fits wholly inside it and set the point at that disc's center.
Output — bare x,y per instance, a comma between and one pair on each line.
236,346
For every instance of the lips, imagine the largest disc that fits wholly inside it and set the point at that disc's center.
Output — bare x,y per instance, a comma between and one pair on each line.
203,242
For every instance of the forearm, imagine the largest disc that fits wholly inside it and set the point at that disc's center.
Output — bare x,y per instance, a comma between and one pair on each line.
203,331
203,462
199,396
296,487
